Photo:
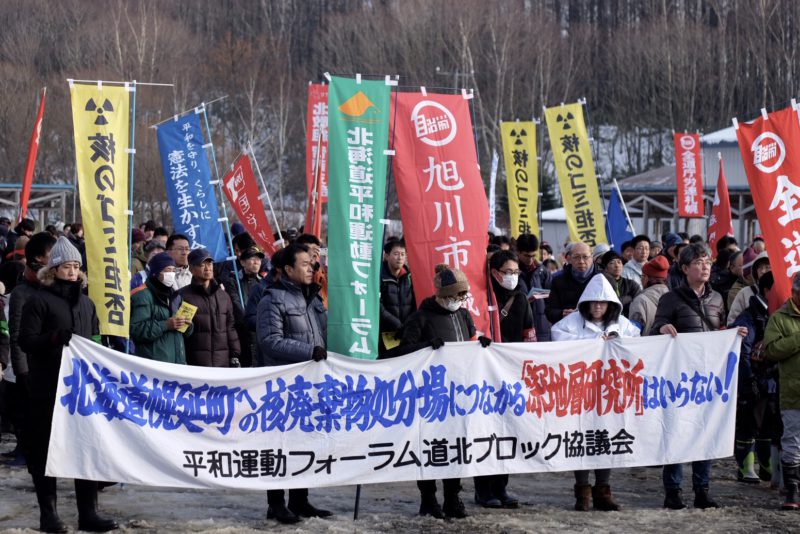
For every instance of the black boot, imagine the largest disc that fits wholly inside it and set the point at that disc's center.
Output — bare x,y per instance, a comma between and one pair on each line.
452,506
483,493
306,509
499,485
673,499
791,479
702,500
281,514
46,495
88,519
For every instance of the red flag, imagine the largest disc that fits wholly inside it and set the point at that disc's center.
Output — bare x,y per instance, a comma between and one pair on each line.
721,222
772,161
316,155
242,191
689,174
442,200
30,163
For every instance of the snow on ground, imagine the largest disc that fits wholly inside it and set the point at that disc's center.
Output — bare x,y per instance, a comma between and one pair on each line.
547,500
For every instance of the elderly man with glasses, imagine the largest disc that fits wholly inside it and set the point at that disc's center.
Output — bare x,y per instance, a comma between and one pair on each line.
567,286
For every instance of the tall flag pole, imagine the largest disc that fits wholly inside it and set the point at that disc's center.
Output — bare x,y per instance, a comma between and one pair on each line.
30,163
265,195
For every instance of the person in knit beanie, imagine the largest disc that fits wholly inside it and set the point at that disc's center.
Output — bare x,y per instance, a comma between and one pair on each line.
53,315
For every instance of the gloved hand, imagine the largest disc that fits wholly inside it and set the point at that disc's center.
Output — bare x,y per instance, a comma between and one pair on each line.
61,337
235,362
484,341
319,354
437,343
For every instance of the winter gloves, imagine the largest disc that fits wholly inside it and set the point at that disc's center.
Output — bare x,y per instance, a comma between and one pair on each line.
484,341
60,338
437,343
319,354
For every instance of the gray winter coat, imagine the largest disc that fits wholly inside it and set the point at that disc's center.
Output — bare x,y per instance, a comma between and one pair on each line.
291,322
644,306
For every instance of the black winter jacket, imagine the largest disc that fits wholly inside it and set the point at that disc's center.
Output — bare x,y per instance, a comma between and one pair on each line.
58,305
565,290
626,289
684,310
397,299
214,340
431,321
519,317
541,278
26,288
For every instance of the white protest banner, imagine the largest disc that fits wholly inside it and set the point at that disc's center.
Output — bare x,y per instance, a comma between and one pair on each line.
459,411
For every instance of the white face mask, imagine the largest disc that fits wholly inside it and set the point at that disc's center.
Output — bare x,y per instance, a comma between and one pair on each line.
510,281
449,304
168,279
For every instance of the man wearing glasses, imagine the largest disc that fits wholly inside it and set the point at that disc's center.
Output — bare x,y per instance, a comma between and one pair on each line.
178,249
568,286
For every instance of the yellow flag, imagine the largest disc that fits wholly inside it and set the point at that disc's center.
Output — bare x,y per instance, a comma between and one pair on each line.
576,177
522,176
101,120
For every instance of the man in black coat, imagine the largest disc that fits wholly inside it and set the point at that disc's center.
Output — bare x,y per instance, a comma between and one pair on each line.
567,287
534,275
53,315
249,278
397,293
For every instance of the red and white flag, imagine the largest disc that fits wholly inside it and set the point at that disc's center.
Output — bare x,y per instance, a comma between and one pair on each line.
316,156
689,174
241,189
442,200
769,148
30,163
721,223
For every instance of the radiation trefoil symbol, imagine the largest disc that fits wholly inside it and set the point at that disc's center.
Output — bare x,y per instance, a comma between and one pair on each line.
101,119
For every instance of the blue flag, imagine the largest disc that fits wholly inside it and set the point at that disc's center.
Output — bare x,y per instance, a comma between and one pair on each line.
617,229
187,175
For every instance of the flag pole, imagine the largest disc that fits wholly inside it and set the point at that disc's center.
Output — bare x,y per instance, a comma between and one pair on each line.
131,88
265,194
624,207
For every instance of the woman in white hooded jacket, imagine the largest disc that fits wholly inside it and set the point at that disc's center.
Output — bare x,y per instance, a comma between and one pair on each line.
598,316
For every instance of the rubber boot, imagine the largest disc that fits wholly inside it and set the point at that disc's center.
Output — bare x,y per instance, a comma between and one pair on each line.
673,499
777,469
764,458
744,452
583,493
702,501
46,495
791,479
88,519
602,499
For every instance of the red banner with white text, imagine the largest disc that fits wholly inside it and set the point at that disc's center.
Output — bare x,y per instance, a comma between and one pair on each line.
442,200
242,191
689,174
316,153
771,157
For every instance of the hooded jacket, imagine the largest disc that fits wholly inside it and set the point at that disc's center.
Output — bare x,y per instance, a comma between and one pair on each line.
57,305
214,340
576,326
431,321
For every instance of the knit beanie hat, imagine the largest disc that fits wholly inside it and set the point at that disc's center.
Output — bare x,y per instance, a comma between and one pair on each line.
159,262
449,282
658,267
62,252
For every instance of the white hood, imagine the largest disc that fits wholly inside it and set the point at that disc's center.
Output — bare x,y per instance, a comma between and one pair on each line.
599,290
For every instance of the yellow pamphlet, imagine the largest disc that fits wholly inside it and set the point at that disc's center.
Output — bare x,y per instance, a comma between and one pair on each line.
186,311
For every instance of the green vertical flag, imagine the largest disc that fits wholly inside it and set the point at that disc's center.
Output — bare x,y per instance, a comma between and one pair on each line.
358,135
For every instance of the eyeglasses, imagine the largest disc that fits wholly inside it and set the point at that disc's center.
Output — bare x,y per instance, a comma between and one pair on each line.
516,272
459,298
702,262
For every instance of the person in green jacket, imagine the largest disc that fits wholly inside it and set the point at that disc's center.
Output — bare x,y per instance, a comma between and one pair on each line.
782,345
154,326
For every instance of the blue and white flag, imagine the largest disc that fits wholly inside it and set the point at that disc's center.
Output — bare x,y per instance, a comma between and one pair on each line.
617,228
187,175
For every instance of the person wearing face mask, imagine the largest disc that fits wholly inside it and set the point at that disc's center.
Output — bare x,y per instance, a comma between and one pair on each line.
598,316
442,318
53,315
154,327
516,325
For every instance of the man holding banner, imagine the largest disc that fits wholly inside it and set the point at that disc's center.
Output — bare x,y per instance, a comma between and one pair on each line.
292,326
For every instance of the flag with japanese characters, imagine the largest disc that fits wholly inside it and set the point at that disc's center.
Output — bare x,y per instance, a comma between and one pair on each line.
358,126
577,180
442,200
720,224
522,176
101,120
770,148
187,176
689,174
316,153
241,189
459,411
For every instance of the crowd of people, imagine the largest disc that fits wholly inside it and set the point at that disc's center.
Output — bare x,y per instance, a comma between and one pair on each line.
266,311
